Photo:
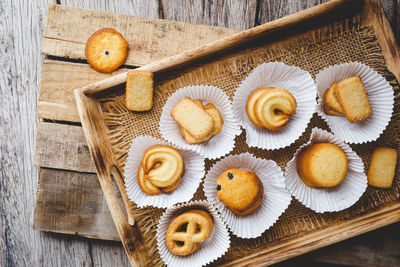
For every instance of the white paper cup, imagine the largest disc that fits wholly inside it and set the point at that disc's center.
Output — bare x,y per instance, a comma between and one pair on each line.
220,144
275,200
331,199
209,250
380,95
194,172
277,74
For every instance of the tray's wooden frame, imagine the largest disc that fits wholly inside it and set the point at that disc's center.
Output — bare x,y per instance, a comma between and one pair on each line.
105,161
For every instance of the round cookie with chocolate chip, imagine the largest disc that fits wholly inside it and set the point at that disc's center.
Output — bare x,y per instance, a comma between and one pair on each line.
106,50
240,190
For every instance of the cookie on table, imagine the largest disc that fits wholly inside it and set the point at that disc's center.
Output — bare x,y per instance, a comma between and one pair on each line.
106,50
240,190
322,165
382,167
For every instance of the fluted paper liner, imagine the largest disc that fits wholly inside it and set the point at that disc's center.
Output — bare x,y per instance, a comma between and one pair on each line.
220,144
331,199
209,250
380,95
275,200
194,172
277,74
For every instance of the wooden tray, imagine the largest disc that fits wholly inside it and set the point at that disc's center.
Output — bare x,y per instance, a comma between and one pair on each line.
105,160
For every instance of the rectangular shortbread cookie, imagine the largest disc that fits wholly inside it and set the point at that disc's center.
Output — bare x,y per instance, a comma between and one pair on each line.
382,167
332,106
193,118
139,90
353,98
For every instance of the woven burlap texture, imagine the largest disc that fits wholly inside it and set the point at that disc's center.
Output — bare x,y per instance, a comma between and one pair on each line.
314,50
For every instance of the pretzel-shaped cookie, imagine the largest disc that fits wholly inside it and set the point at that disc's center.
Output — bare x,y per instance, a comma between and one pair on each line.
187,231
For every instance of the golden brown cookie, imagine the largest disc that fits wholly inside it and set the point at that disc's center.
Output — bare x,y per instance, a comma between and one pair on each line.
382,167
240,190
274,107
193,118
250,106
270,108
106,50
331,105
187,231
353,98
322,165
161,169
145,185
139,90
217,124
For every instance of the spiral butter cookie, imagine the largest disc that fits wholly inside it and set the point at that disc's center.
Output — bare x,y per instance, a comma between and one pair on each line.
240,190
187,231
106,50
161,169
270,108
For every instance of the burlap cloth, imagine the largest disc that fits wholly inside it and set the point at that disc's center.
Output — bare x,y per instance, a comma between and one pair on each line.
314,50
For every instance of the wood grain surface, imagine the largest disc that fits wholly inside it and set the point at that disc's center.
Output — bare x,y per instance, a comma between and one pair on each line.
22,28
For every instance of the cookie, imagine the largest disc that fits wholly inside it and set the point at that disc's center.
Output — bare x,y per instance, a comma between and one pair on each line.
250,106
274,107
382,167
144,184
240,190
193,118
106,50
163,165
160,170
139,90
187,231
353,98
331,105
322,165
217,119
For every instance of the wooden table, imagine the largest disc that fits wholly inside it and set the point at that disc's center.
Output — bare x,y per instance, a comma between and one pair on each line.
21,27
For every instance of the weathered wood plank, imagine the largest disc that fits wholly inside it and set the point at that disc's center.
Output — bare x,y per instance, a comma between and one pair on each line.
59,79
275,9
68,29
144,8
231,13
72,203
63,147
21,27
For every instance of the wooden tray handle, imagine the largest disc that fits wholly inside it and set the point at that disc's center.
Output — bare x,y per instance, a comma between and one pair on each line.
116,173
102,155
130,235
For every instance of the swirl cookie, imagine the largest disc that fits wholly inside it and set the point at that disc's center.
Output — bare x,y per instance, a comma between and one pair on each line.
270,108
160,170
240,190
187,231
106,50
322,165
